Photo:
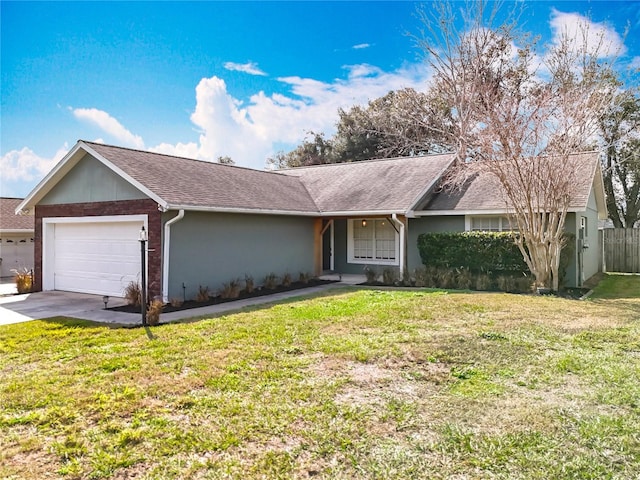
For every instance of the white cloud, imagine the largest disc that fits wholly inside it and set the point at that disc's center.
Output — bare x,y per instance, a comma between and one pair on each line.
249,131
599,36
361,46
250,67
21,169
109,125
635,63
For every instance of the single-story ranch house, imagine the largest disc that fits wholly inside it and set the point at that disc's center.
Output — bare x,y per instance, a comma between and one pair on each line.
16,238
209,223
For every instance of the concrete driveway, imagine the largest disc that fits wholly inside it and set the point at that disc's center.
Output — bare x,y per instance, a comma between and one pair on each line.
33,306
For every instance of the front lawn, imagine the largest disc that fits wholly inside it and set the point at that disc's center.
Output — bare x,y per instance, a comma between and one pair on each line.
354,384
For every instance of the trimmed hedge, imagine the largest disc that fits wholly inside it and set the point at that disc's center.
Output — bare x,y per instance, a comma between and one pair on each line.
493,253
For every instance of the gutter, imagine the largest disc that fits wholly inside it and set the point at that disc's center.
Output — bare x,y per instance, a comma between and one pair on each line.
165,254
403,266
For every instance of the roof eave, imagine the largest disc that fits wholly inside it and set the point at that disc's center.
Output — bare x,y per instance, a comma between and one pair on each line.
256,211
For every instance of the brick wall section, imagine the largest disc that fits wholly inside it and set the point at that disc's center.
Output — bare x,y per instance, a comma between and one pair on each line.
124,207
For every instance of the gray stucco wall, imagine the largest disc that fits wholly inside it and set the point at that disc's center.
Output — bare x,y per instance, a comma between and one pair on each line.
591,261
210,249
418,226
91,181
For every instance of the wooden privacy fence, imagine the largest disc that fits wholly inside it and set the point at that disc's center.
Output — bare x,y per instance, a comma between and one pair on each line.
622,250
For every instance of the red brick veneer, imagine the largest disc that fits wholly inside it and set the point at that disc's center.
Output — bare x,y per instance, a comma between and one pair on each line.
122,207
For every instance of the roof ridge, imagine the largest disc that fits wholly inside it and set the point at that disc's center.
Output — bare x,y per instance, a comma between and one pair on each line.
371,160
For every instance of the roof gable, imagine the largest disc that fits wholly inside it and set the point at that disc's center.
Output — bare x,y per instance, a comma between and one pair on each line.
484,192
386,186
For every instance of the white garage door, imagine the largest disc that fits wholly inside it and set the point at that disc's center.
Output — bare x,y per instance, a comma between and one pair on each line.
100,258
16,253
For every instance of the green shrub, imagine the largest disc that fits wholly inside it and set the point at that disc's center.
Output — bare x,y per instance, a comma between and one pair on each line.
371,274
492,253
389,276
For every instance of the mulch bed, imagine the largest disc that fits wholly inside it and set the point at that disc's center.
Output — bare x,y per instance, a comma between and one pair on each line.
258,292
570,293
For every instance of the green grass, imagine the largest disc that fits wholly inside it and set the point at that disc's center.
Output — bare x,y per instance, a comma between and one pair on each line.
357,384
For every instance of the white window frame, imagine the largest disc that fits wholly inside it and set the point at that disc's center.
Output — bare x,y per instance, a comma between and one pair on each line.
503,223
372,261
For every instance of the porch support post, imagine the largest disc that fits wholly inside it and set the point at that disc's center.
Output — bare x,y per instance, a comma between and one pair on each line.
317,246
403,242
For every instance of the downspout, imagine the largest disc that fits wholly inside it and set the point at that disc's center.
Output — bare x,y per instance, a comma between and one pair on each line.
165,254
401,226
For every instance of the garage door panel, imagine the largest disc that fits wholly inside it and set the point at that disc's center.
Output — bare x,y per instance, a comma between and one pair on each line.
100,258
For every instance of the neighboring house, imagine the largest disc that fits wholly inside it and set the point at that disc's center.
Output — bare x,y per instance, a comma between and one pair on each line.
16,238
209,223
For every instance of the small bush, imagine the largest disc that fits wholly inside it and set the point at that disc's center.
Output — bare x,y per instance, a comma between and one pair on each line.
407,280
445,278
249,285
304,277
231,289
389,276
286,280
133,294
483,282
23,280
153,312
371,274
464,279
524,284
271,281
176,302
203,294
420,277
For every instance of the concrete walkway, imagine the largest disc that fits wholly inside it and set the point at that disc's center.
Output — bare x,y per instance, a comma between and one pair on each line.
33,306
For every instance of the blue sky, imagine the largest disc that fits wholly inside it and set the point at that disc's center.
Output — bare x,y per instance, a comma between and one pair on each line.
209,79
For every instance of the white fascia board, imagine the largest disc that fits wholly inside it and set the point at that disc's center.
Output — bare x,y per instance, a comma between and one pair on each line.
496,211
438,213
600,193
50,180
363,213
125,176
255,211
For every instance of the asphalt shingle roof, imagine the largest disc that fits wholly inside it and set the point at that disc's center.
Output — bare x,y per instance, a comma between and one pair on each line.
390,185
186,182
485,193
8,218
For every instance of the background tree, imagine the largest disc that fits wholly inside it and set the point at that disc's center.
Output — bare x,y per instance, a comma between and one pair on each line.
226,160
396,125
620,131
517,118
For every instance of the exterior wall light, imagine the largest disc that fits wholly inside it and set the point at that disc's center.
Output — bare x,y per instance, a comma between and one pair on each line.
364,223
105,300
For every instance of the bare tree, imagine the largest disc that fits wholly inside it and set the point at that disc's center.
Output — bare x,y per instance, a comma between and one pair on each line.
518,117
